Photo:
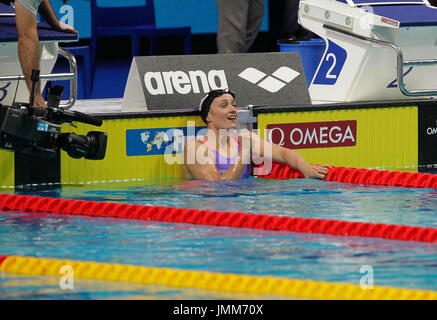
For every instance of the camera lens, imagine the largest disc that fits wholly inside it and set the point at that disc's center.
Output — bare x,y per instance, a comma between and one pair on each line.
92,146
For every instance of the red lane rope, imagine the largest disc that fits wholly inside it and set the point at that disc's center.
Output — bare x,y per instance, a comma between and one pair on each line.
215,218
2,258
360,176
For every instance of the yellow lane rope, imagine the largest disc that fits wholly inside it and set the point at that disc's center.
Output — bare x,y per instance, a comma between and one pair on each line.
262,285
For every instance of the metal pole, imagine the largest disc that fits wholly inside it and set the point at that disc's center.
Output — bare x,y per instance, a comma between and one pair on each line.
73,82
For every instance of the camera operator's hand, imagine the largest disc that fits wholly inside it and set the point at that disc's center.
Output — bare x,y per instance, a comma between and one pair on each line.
63,27
46,11
40,111
39,102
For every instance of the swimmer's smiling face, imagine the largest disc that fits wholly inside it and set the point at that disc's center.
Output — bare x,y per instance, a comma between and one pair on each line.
223,112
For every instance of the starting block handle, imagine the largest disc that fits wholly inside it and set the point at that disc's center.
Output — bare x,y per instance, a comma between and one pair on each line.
400,61
73,81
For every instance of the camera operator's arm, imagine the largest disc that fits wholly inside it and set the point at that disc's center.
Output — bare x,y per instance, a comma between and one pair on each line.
46,11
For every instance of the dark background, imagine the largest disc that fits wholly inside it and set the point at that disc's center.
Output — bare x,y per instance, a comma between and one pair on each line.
201,43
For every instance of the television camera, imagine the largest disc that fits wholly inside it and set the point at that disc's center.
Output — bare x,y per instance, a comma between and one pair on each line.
37,131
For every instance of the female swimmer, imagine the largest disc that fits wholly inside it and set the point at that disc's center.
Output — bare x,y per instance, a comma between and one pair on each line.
224,154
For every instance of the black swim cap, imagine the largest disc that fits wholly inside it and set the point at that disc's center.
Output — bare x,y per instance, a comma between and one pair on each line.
205,103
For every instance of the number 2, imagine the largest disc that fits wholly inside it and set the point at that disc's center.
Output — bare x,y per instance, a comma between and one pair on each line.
334,62
393,84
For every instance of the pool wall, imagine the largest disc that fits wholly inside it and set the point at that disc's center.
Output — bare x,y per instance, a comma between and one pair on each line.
397,135
7,169
146,160
381,137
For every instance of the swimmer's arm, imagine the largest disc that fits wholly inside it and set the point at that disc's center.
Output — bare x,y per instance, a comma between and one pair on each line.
288,156
200,164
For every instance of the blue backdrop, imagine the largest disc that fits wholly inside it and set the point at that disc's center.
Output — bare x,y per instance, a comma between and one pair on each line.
201,15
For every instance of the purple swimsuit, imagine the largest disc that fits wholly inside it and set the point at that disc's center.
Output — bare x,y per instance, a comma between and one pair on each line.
224,163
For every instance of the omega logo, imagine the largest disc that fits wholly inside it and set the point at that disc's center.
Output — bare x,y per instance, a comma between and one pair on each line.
313,134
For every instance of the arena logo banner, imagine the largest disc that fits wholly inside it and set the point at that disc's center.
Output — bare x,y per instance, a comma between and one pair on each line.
313,134
159,141
179,82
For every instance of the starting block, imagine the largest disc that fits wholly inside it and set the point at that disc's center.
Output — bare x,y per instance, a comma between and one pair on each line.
375,50
12,82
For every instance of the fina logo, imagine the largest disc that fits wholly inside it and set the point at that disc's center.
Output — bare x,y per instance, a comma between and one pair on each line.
279,79
169,82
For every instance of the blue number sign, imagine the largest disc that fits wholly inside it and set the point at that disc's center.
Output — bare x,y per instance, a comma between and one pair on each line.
332,64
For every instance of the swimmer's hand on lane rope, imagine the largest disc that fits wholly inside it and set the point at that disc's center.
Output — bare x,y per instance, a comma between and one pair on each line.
314,170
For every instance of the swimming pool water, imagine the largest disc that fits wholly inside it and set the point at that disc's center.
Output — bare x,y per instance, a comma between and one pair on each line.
223,249
295,198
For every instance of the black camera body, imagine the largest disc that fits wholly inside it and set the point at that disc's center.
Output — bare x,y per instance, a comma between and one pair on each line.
25,133
37,131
